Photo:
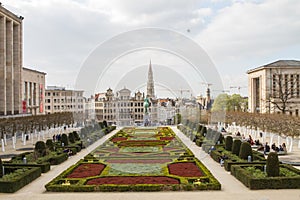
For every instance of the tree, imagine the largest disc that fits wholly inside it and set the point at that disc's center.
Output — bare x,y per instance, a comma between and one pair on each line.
225,102
220,103
283,91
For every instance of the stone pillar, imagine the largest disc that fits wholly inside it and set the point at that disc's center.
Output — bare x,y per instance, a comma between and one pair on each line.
9,67
17,67
2,66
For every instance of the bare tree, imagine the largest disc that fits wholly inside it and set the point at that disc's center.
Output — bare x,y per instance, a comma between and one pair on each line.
283,91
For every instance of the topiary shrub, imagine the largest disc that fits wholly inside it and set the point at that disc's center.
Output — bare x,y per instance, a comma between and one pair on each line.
199,128
105,124
64,139
221,139
40,148
272,164
50,145
203,131
77,138
236,147
71,137
1,168
228,143
245,151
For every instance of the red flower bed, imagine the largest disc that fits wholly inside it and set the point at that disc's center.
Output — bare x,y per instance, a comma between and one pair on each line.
145,161
87,170
117,139
167,138
133,180
185,169
136,143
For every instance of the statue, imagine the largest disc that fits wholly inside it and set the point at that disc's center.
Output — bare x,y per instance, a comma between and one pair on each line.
146,105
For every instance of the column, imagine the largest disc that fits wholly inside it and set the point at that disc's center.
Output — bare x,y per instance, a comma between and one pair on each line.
9,67
17,67
2,66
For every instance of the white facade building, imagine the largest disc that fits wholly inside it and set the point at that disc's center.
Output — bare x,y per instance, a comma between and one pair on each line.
274,86
59,99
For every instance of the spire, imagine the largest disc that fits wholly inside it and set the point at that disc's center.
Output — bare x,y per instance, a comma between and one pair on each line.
150,83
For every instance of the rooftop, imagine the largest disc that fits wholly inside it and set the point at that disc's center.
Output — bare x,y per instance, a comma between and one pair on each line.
278,64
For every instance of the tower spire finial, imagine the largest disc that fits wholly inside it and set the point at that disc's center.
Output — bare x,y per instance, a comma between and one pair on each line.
150,82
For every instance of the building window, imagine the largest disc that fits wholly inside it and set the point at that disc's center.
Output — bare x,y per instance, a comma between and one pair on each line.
297,112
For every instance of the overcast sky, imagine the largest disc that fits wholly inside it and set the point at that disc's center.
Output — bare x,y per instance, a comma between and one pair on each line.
237,35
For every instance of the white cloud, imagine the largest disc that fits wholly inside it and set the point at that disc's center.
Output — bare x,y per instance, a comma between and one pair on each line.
250,29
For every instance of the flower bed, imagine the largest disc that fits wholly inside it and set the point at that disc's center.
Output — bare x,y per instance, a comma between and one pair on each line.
133,180
87,170
185,169
139,160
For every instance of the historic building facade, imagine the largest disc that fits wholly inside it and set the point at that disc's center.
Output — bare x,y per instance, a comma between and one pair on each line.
121,108
33,92
275,88
59,99
11,46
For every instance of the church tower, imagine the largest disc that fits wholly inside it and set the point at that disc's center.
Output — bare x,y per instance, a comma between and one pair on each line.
150,83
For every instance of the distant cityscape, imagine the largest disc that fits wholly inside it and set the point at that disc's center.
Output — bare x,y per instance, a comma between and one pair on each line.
272,88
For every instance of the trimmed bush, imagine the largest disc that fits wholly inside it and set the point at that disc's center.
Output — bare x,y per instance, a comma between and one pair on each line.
228,143
1,168
50,145
203,131
105,124
272,164
77,138
71,137
239,172
40,148
236,147
245,151
64,139
23,176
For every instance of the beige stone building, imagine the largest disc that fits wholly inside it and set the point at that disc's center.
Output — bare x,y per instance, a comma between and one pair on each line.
275,88
10,62
59,99
121,108
33,92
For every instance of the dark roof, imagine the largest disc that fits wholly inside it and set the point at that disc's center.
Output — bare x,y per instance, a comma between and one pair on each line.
278,63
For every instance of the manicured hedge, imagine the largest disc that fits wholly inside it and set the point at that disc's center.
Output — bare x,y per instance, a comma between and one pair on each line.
258,158
248,180
45,167
17,183
229,163
60,158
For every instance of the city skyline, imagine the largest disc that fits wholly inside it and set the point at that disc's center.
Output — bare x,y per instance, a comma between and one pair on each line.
236,35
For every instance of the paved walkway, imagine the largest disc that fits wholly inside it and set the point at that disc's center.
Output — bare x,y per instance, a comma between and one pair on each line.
231,188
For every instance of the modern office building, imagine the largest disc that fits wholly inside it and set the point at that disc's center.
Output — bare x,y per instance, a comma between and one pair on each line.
60,99
11,46
33,92
275,88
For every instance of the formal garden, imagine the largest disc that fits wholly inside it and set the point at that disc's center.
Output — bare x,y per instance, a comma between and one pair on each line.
251,167
137,159
23,168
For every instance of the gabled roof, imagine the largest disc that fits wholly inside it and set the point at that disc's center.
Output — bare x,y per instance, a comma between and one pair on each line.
278,64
